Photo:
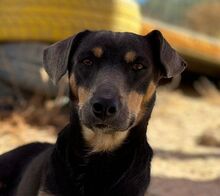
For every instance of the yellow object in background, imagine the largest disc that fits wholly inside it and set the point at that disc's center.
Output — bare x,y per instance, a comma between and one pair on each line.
52,20
200,51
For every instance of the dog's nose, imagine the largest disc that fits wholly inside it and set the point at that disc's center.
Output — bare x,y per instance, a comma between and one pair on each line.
104,108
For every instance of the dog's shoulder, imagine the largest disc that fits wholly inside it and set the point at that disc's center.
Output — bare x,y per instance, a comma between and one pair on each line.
13,164
34,174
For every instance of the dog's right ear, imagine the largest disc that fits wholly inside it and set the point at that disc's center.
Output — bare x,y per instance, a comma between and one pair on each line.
56,56
170,63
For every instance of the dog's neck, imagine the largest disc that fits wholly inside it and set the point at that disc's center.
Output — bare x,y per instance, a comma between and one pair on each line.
73,153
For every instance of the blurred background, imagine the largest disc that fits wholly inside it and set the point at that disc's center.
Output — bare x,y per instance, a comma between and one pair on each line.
184,130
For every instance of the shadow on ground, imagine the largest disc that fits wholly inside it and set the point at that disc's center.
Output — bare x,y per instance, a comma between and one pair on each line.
162,186
184,156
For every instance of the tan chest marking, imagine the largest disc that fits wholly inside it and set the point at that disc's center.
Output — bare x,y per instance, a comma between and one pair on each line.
103,142
42,193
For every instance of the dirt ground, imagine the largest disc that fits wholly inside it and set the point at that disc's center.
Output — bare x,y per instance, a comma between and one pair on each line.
182,166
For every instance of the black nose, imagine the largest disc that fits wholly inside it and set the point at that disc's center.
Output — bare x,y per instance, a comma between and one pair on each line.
104,108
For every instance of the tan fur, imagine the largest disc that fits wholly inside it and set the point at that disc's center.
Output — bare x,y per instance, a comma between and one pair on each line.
130,56
150,91
137,101
146,98
134,102
97,51
42,193
73,85
103,142
83,95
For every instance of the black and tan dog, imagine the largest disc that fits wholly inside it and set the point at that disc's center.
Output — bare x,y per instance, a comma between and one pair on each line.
103,151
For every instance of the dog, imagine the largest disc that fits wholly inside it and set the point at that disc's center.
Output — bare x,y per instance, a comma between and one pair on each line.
103,151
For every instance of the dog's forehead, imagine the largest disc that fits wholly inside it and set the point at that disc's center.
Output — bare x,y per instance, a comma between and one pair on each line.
108,40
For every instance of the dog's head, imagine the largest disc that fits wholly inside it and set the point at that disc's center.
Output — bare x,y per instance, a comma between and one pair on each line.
112,76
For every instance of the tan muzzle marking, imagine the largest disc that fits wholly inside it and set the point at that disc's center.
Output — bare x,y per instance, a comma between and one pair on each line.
136,102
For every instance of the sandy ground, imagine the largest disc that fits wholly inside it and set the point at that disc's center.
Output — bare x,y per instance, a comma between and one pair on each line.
181,166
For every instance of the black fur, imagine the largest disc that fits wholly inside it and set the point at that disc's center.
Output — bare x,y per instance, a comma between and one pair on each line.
13,164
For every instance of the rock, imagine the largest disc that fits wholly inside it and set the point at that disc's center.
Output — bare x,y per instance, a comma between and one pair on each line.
210,137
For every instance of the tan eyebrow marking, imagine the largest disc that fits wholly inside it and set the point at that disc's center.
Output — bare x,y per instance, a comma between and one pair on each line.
97,51
130,56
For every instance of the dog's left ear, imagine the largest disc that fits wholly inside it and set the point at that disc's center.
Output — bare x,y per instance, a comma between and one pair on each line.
56,56
169,61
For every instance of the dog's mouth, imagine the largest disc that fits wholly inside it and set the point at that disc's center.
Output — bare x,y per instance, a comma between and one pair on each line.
107,128
101,126
122,122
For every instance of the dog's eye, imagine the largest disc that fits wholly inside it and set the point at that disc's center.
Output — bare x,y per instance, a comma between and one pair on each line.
137,66
87,62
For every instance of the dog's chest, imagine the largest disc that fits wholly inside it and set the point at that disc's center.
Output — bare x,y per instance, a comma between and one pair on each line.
97,176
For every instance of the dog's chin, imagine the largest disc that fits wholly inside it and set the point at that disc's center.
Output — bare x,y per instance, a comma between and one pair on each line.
108,129
103,128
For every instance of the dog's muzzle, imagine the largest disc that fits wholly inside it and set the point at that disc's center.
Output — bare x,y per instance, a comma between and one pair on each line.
105,111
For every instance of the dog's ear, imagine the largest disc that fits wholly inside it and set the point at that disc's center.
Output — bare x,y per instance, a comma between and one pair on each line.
56,56
169,61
